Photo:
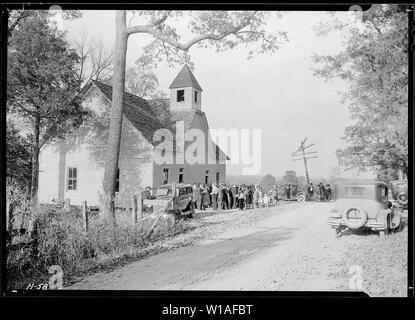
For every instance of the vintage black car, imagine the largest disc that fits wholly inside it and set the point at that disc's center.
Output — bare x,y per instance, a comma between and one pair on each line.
180,199
291,192
398,193
360,204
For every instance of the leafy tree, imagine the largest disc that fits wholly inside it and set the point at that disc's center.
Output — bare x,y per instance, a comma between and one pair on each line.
17,17
290,177
302,182
375,65
141,81
41,85
267,182
221,29
18,163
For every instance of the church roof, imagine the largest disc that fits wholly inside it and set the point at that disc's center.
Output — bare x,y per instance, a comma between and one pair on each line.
185,78
147,116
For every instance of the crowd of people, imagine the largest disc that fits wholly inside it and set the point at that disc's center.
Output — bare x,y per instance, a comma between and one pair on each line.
225,196
246,196
324,192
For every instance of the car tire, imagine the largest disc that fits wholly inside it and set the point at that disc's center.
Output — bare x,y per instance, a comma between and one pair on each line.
301,197
354,223
402,202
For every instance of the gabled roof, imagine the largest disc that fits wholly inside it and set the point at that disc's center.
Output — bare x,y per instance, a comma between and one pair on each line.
185,78
147,116
137,110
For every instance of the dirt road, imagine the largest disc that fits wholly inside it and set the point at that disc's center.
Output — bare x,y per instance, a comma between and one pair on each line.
289,247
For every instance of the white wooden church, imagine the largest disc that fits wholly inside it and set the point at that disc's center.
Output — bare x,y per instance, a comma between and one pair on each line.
74,168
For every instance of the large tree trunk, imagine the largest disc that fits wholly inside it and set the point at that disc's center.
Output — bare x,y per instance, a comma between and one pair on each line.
118,84
35,161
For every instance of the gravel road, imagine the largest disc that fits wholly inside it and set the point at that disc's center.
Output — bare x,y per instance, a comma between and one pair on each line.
289,247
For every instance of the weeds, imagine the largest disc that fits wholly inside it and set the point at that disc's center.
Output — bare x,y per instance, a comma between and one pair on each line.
57,237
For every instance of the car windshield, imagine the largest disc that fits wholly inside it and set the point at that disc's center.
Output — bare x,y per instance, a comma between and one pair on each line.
163,191
355,191
402,185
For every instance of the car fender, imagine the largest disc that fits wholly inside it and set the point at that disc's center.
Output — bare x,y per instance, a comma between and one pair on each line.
382,216
184,203
396,218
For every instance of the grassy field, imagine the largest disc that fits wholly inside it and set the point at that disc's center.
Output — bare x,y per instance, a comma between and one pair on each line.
62,241
383,261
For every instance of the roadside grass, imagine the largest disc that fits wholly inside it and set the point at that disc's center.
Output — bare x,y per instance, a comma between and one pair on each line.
58,238
383,261
62,241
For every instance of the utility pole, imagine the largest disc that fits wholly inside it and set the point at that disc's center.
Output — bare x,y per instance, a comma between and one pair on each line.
301,154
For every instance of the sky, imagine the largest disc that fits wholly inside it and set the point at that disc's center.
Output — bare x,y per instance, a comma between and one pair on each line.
276,93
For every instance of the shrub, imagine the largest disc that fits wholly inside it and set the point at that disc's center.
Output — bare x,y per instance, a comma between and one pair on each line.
57,237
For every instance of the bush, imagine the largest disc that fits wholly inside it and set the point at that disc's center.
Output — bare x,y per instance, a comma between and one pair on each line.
57,238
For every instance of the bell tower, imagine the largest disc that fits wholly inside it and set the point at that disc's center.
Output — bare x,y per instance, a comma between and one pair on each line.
185,91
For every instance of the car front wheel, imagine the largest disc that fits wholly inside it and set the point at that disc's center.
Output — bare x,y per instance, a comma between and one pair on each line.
301,198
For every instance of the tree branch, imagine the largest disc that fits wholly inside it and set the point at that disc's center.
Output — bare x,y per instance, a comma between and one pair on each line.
162,19
186,46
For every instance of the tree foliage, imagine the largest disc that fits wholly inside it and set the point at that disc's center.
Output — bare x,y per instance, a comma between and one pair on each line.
221,29
17,17
267,182
42,86
18,155
290,177
141,81
374,63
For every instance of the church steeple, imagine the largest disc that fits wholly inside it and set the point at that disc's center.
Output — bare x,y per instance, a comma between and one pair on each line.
185,91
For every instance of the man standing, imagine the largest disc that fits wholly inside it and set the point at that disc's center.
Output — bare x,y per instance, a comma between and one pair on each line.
231,197
203,192
310,191
220,197
275,194
322,192
225,202
235,190
241,198
328,192
288,191
196,195
146,193
214,195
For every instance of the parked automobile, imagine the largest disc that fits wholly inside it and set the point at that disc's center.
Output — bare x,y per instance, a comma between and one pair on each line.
180,199
291,192
363,204
398,193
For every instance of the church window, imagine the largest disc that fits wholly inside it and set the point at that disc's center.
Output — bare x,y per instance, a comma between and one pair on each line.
180,95
181,174
72,178
165,175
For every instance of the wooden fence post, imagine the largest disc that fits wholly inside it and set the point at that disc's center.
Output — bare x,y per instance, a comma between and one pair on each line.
140,205
85,215
137,207
134,209
7,214
67,204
